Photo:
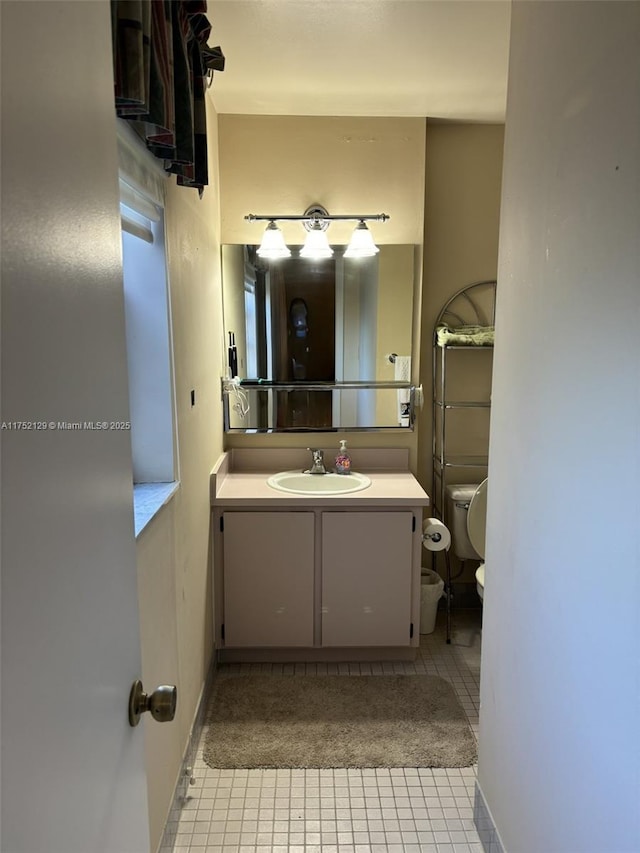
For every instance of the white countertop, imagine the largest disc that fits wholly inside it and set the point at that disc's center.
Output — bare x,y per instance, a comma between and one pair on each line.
236,489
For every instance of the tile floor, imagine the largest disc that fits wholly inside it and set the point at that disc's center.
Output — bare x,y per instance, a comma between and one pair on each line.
410,810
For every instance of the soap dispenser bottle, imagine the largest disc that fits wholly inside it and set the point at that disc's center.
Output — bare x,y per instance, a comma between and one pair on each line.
343,460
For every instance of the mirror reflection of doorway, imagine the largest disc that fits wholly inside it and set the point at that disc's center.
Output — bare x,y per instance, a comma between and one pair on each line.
304,339
372,302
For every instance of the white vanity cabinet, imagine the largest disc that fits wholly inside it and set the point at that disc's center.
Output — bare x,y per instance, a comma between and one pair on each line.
268,579
318,576
317,579
367,571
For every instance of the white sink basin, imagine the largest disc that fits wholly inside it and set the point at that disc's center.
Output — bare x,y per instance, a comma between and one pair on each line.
299,483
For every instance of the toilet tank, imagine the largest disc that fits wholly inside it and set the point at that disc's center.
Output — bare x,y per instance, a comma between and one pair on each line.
458,498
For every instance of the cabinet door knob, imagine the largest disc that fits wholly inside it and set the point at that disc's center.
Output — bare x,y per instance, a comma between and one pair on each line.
162,703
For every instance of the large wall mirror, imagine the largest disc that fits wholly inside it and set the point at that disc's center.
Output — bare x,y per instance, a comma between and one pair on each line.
300,322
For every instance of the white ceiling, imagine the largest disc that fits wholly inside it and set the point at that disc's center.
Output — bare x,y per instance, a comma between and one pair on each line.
439,58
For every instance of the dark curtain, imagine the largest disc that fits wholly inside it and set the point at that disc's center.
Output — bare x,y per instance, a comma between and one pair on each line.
161,63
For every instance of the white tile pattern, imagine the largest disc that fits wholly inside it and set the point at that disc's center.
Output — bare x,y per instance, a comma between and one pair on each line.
404,810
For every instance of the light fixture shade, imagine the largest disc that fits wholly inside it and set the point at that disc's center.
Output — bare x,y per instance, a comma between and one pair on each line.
316,246
361,244
273,245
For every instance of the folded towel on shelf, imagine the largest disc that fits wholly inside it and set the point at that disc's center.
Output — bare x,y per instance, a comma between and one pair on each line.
476,336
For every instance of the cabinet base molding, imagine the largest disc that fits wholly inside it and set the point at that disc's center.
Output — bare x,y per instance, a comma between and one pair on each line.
317,655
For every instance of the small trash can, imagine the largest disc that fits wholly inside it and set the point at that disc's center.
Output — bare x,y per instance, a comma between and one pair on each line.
431,591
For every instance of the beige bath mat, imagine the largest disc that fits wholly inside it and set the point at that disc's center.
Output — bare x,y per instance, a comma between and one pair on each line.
337,721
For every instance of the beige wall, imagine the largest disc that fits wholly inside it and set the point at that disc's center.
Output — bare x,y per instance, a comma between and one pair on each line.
283,164
462,206
173,551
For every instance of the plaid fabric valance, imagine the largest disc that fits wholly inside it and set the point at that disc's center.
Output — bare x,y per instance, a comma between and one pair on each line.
161,63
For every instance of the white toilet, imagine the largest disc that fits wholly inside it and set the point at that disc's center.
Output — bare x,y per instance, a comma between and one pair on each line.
468,518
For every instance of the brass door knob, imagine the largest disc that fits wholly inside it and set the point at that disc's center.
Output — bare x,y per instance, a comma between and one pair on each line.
162,703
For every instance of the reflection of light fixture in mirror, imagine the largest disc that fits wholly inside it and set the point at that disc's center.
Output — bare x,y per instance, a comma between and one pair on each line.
361,244
316,220
273,245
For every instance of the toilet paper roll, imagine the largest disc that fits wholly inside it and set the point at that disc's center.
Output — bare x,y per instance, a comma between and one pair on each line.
435,535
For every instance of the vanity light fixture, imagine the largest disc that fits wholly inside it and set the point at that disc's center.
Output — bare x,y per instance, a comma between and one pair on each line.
361,244
316,220
273,245
316,246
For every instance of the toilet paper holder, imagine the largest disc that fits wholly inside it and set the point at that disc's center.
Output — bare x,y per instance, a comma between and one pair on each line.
435,537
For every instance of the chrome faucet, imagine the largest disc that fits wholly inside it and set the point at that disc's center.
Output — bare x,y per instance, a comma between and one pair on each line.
318,462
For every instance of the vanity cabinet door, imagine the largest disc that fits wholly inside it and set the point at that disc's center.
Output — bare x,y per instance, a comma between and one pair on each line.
268,579
366,578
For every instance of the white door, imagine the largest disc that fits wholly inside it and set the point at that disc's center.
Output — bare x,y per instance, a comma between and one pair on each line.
72,768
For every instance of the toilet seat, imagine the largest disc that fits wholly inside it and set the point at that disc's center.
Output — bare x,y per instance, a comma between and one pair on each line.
476,529
480,580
